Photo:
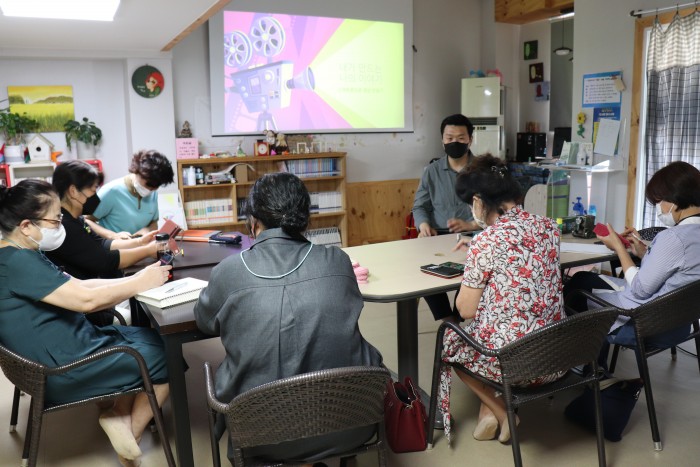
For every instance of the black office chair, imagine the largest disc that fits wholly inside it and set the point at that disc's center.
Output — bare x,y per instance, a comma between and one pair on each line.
302,406
560,346
30,377
663,314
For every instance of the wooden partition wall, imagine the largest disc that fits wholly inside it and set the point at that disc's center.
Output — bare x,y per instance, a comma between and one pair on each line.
376,211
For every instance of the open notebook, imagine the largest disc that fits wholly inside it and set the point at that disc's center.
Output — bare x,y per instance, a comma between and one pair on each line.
173,293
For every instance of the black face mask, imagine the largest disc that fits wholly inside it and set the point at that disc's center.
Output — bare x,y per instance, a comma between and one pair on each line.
456,149
91,204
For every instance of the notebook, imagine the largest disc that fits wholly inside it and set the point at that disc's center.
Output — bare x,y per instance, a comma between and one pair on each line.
173,293
233,238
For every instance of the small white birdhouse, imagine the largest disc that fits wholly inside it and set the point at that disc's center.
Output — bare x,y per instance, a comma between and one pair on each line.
40,148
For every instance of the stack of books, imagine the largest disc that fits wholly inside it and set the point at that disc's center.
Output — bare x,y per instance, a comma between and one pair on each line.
326,201
306,168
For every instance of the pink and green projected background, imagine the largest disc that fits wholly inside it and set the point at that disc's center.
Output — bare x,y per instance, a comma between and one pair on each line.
305,73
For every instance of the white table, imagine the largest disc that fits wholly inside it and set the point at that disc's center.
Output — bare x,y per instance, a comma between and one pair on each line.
395,276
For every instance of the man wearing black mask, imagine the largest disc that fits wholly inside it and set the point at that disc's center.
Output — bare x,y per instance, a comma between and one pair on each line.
436,208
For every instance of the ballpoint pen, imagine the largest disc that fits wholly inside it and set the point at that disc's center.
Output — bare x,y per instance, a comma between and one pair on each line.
176,287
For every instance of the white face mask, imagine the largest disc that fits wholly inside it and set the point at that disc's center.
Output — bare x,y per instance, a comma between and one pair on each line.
140,189
480,222
51,239
666,218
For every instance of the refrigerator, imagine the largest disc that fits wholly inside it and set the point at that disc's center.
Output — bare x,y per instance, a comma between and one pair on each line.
483,101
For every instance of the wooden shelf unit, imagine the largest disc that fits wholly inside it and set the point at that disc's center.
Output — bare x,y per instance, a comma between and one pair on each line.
263,165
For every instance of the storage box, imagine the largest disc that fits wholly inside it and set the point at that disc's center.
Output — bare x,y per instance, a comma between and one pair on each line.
241,172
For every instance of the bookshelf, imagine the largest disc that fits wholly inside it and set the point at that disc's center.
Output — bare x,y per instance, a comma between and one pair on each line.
218,205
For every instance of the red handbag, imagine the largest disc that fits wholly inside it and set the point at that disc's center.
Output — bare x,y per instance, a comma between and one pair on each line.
404,417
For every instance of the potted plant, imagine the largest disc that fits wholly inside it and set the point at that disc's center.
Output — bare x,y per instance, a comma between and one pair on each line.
86,134
13,127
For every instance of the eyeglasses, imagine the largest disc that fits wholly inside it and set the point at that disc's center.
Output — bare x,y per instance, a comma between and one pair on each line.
54,222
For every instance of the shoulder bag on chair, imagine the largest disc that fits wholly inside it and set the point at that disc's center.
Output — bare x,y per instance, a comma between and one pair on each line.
404,417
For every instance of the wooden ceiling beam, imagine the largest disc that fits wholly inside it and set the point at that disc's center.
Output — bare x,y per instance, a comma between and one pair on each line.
528,11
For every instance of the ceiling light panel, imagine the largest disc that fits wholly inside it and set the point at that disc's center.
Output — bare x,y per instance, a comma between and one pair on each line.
87,10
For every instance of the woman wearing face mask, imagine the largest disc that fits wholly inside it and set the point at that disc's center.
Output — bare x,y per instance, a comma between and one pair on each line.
511,286
84,254
43,316
669,262
284,307
129,205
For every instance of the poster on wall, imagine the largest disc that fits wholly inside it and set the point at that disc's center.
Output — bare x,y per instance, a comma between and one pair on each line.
541,91
147,81
530,50
610,113
602,89
51,106
536,73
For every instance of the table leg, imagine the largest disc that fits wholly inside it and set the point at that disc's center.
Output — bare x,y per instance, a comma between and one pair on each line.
407,334
178,400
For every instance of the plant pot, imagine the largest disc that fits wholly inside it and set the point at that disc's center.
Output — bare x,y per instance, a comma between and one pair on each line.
14,155
86,151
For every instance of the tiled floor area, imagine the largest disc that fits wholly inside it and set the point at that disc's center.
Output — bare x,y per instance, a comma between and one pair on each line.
74,438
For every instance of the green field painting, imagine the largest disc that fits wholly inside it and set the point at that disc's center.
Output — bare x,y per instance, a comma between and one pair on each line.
51,106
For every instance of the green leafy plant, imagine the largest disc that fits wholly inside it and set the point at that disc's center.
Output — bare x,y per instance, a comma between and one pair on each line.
87,132
14,126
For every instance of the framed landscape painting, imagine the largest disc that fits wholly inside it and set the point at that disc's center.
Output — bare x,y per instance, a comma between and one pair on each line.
51,106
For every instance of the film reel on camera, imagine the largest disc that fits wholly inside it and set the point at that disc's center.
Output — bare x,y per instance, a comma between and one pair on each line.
268,36
238,49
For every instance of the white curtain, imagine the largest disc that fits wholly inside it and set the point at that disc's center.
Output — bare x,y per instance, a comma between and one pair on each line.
673,100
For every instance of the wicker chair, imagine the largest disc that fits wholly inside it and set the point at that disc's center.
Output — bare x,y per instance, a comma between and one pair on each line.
30,378
665,313
302,406
559,346
15,399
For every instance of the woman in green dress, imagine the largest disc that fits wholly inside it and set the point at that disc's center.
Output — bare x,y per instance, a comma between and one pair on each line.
43,316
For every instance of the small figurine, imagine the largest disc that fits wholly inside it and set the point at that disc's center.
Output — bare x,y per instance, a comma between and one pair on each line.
240,152
281,144
186,131
270,137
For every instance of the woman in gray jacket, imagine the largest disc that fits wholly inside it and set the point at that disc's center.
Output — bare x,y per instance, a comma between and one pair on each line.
285,307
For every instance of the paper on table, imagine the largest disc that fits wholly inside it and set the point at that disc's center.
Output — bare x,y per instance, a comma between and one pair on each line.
606,140
567,247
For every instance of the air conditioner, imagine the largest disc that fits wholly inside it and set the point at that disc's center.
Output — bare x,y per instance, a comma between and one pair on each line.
483,102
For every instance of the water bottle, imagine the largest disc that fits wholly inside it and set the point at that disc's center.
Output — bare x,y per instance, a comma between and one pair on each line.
578,207
592,211
163,252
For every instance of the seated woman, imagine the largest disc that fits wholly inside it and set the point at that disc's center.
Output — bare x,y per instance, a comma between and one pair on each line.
84,254
669,262
43,316
284,307
129,205
511,286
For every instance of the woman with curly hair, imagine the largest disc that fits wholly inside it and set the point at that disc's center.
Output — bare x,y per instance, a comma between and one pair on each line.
129,205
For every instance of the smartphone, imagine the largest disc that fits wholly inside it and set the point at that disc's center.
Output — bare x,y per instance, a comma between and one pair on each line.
453,265
602,230
166,259
440,271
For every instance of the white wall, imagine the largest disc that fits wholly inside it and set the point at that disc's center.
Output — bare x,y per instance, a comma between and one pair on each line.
604,41
447,34
531,110
102,92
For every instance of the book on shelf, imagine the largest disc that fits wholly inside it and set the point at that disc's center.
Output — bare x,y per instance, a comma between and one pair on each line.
329,236
209,211
196,235
173,293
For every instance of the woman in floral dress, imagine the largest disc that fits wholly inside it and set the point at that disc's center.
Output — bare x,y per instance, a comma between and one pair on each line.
511,286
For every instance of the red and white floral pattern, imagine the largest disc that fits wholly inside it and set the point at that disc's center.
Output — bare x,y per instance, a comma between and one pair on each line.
516,262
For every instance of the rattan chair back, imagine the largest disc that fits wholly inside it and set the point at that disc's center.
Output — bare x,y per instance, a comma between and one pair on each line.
557,347
30,377
670,311
305,405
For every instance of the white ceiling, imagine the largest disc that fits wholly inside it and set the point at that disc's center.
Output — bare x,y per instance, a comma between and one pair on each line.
139,27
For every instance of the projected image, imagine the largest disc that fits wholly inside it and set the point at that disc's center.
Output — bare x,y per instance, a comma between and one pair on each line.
305,73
